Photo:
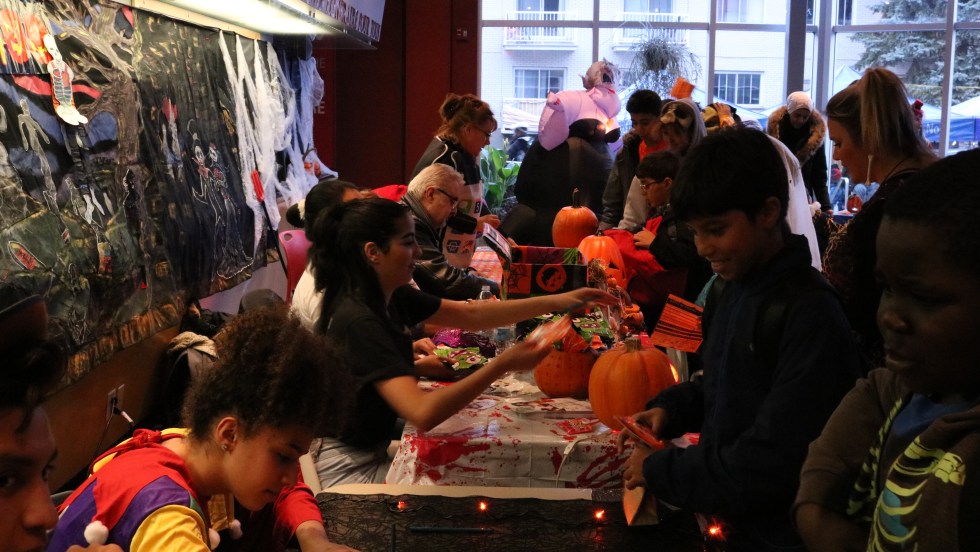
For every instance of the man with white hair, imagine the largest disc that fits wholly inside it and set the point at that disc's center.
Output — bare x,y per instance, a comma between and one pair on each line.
433,196
801,129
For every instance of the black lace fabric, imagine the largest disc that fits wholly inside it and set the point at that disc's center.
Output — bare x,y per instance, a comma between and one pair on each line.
380,523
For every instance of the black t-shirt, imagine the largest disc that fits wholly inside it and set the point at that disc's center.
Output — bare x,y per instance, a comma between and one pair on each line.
375,350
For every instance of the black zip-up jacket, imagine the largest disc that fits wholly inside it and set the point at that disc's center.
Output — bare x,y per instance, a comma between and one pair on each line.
756,421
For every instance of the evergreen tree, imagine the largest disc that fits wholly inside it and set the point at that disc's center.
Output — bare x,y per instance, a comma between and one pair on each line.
922,52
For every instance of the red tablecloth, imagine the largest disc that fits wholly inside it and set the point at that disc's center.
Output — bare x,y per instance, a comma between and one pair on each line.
512,436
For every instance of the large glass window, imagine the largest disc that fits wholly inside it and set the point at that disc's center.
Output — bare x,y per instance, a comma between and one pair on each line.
531,46
538,5
648,6
740,11
644,20
738,88
536,83
844,10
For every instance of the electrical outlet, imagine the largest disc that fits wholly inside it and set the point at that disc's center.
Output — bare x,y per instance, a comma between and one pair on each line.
112,400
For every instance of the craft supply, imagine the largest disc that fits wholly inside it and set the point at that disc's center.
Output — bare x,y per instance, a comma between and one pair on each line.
640,433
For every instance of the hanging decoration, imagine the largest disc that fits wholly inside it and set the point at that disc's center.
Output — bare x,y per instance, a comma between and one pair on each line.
123,192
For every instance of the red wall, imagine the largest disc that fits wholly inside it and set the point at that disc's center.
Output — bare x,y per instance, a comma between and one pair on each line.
380,106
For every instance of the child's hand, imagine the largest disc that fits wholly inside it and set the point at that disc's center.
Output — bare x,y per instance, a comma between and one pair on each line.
633,472
643,239
655,419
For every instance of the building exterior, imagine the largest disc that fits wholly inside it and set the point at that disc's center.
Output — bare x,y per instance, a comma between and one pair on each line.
531,47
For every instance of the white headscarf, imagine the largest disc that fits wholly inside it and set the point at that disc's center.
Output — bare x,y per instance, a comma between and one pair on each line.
797,101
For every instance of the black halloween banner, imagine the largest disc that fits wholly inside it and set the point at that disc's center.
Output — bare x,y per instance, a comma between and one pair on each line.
120,192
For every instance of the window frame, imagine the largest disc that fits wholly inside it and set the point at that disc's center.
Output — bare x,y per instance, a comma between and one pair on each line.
754,87
550,70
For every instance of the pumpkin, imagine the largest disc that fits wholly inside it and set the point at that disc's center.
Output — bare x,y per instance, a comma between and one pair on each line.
573,223
564,373
605,249
625,378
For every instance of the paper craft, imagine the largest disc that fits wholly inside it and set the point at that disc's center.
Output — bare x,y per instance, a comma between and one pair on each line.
640,507
550,332
679,326
640,433
563,408
587,328
461,358
61,91
497,242
577,426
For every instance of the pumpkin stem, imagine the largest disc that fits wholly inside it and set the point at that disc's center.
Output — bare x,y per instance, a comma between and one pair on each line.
575,201
633,344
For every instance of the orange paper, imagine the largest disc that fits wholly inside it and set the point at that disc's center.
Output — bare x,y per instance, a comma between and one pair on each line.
682,88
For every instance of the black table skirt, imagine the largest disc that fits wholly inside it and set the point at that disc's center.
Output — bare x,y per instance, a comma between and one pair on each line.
377,523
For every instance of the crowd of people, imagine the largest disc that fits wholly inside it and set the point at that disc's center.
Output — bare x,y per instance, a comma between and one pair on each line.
838,394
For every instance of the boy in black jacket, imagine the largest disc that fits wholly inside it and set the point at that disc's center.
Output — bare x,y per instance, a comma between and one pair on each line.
778,353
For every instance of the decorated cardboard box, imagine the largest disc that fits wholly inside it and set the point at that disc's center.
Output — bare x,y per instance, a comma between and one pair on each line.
542,271
531,271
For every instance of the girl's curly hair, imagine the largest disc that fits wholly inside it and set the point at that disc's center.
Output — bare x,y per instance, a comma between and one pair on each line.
271,372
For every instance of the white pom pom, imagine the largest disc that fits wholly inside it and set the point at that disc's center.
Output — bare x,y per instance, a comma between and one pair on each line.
96,533
214,537
235,527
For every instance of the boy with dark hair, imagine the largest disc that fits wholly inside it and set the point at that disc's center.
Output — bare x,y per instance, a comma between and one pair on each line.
31,366
643,139
669,241
672,242
896,467
777,355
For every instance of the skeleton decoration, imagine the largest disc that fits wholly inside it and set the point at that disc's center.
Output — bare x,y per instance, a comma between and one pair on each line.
61,77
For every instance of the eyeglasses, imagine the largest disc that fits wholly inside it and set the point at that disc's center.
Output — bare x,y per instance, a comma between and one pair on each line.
453,199
649,182
485,133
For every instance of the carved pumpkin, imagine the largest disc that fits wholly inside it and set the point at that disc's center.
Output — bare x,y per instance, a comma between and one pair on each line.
605,249
625,378
564,374
573,223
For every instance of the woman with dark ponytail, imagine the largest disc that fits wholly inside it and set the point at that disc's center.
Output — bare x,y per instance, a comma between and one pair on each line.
364,253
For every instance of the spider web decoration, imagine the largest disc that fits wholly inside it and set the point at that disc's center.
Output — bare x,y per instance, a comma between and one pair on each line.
300,149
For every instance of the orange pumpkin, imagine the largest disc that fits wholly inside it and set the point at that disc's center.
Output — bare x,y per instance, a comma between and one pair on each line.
625,378
605,249
573,223
564,374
